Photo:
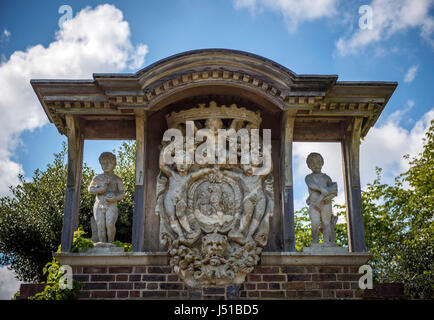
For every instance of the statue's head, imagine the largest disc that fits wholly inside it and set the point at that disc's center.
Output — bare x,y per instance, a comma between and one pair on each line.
214,124
214,247
107,161
248,169
315,162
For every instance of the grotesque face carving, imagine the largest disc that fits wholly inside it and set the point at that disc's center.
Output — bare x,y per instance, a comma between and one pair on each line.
214,247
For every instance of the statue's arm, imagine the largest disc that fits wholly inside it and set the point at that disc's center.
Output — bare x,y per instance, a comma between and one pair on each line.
121,193
312,185
94,188
163,166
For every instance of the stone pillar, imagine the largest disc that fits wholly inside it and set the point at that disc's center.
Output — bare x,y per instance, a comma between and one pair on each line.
350,157
286,179
140,182
73,182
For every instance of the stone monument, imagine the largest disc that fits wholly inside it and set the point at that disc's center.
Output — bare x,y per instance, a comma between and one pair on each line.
109,189
321,192
214,217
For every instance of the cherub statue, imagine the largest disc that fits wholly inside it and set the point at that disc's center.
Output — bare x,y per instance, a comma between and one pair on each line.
108,189
174,204
254,203
321,191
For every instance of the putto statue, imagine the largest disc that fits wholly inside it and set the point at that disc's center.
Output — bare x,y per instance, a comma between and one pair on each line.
214,216
321,192
108,189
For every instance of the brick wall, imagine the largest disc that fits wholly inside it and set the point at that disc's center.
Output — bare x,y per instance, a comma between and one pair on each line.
265,282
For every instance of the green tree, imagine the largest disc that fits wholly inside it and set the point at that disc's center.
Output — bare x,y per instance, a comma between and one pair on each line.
31,219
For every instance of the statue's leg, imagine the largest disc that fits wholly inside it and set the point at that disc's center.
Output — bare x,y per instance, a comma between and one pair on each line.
315,220
326,215
259,213
99,215
174,223
111,217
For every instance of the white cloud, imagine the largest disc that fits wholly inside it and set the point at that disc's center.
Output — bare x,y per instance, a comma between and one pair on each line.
6,33
384,146
95,40
389,18
8,283
293,11
411,73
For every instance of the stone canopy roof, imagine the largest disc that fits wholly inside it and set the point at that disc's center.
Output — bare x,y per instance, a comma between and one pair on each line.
214,71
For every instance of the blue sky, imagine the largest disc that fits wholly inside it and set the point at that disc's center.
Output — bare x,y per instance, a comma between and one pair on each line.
316,36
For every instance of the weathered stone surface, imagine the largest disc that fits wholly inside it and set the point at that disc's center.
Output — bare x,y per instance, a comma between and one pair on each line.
214,217
108,189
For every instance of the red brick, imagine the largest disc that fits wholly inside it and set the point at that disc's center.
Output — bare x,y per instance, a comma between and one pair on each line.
81,277
173,293
122,294
134,294
272,294
121,285
274,286
254,278
102,277
103,294
312,294
159,270
94,269
153,294
95,286
324,277
329,269
146,277
266,269
120,269
293,285
249,286
354,285
140,270
262,286
293,269
152,286
172,277
344,294
122,277
135,277
299,277
328,294
348,277
142,285
291,294
171,286
253,294
329,285
273,277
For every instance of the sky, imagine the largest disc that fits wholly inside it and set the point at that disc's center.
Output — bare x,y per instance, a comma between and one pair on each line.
371,40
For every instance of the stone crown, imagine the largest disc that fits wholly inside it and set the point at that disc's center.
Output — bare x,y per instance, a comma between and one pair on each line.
213,111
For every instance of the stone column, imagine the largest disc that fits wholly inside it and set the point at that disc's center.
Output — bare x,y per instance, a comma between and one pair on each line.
350,157
73,182
286,179
140,182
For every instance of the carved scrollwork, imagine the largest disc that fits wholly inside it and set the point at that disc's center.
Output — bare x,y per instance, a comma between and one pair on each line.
214,218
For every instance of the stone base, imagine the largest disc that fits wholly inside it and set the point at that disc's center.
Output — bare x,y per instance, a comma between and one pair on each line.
325,249
280,275
103,248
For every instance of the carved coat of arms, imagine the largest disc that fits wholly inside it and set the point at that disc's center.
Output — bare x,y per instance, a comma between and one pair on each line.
214,216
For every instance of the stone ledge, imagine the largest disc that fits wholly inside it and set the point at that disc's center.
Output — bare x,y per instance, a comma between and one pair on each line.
113,259
319,259
161,259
